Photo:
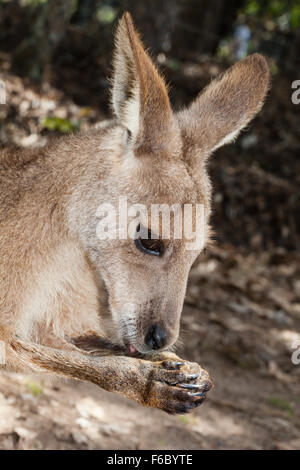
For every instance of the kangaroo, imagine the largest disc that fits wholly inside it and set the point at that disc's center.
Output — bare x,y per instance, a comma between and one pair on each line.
108,310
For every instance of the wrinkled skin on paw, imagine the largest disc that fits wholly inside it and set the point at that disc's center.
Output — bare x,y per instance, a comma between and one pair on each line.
173,385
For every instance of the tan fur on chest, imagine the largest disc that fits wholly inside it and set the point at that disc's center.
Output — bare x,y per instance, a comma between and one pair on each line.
59,298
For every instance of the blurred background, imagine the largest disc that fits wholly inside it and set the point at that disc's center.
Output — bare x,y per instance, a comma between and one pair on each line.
241,318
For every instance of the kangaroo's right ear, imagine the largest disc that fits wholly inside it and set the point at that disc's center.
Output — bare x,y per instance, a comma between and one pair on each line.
139,95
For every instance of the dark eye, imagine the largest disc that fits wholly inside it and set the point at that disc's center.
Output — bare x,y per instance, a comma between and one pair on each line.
153,247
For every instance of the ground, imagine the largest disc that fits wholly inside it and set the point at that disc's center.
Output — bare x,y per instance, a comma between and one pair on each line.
240,321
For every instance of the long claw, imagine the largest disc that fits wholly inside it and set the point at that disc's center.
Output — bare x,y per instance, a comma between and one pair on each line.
193,376
200,395
172,365
189,386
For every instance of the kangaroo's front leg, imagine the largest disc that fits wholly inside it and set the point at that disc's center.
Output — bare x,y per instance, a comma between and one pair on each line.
158,384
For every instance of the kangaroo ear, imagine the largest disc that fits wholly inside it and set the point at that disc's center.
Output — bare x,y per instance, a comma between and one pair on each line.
139,95
225,106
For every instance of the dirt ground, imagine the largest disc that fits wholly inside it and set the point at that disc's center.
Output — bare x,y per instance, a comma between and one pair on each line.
240,320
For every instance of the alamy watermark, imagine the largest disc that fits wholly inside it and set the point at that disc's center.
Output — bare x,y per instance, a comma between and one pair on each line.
123,221
296,353
2,92
296,93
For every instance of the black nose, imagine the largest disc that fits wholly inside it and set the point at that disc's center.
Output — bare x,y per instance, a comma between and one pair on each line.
156,337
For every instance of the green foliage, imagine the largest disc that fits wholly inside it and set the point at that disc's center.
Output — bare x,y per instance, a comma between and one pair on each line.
34,389
184,419
295,16
60,125
106,14
276,7
251,8
276,11
173,64
280,404
32,3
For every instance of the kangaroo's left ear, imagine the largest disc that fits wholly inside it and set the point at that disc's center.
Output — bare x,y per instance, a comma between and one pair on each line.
225,107
139,95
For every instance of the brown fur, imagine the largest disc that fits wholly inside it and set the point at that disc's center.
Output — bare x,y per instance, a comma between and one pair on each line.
63,289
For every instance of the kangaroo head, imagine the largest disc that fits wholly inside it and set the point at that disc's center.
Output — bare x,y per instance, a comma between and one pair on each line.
159,157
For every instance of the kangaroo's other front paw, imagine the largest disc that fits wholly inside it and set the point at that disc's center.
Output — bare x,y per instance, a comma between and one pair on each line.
176,386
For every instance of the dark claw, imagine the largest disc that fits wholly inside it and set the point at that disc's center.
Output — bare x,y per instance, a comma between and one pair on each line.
206,387
173,365
189,386
193,376
185,408
200,401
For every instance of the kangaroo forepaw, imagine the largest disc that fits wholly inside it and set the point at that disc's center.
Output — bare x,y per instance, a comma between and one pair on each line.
177,386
